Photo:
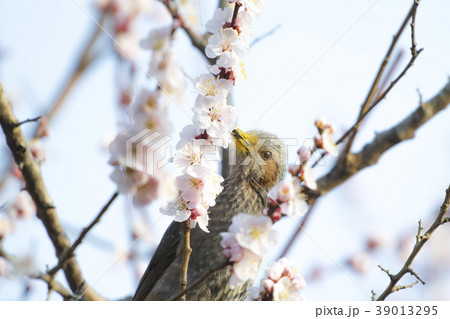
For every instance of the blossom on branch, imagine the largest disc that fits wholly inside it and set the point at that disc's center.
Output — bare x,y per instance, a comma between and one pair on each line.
283,283
247,240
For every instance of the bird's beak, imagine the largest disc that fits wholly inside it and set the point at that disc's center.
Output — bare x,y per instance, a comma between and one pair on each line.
241,139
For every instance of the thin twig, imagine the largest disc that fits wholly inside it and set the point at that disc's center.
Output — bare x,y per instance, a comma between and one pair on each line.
383,141
382,94
397,288
86,59
368,105
35,185
36,119
265,35
52,284
187,250
69,252
394,279
297,232
201,279
199,41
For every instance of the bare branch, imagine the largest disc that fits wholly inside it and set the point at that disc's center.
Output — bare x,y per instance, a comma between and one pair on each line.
199,41
383,141
187,250
368,104
201,279
52,284
294,237
265,35
86,59
69,252
46,211
397,288
394,279
36,119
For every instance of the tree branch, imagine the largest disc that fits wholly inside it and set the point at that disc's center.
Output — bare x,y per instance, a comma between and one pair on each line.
367,108
200,280
69,252
46,211
199,41
422,239
52,284
383,141
187,250
86,59
375,85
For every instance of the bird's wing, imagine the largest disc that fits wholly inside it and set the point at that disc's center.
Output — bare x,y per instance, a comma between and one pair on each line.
164,255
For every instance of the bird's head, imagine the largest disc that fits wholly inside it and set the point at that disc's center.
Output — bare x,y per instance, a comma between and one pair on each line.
260,157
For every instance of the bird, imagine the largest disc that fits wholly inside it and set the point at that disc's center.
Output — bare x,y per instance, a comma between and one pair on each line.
260,165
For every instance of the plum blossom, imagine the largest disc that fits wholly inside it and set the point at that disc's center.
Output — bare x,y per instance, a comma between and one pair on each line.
22,207
192,160
214,119
307,176
247,240
324,139
178,209
157,39
246,269
221,17
253,232
251,6
225,40
215,116
285,199
198,190
283,283
208,85
188,12
286,290
328,143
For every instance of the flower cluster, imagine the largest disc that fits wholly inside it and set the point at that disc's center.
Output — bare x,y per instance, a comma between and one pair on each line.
286,199
283,283
141,178
324,139
213,118
247,240
123,14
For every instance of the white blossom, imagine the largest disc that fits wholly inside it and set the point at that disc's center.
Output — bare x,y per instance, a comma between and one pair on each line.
157,39
245,269
253,232
328,143
177,209
225,40
22,207
214,115
208,85
286,290
308,178
251,6
221,16
191,159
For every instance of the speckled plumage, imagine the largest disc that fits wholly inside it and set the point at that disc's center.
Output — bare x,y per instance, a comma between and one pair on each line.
245,191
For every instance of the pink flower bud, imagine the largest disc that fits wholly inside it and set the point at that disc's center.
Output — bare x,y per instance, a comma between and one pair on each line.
318,141
304,154
268,284
320,123
294,169
298,283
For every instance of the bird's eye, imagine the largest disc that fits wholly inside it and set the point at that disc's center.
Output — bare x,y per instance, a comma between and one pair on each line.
266,154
